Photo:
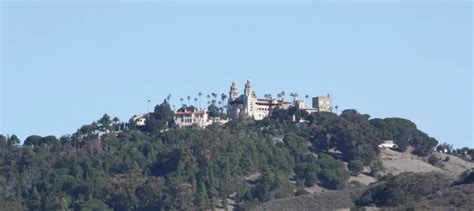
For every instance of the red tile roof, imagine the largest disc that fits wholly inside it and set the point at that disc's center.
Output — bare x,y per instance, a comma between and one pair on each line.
190,112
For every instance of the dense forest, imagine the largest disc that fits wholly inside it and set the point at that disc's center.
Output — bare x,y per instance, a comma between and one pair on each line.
112,165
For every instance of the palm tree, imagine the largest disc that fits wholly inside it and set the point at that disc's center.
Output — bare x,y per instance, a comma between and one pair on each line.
295,97
306,96
189,100
283,95
223,97
181,99
195,100
336,107
168,97
148,105
200,94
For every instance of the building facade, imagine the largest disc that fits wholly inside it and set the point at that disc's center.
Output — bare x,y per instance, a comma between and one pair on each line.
139,119
248,105
191,117
241,105
322,103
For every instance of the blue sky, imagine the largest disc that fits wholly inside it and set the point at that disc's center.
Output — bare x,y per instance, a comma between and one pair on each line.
65,64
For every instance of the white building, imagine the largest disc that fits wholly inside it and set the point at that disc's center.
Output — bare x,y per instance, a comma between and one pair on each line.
388,144
139,119
185,117
248,105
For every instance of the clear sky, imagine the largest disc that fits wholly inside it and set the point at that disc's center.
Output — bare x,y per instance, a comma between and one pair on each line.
64,64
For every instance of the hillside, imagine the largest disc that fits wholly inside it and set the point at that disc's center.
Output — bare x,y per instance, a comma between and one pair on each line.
395,163
432,191
328,200
399,162
108,165
459,196
444,198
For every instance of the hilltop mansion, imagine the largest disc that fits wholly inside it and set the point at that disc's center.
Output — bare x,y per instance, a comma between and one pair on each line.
248,105
244,105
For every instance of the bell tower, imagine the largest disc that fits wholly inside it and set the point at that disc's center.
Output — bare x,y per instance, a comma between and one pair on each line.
250,100
233,93
248,89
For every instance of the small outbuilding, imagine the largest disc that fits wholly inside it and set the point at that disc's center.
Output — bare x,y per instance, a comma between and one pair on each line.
388,144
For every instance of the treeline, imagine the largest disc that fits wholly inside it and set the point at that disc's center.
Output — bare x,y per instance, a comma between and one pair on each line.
107,165
464,153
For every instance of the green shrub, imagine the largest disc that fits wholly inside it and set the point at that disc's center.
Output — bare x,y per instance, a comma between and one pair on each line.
355,167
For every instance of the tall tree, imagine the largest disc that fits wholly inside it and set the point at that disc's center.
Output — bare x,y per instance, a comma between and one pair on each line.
283,95
104,123
116,123
200,94
213,111
161,118
307,96
13,140
223,97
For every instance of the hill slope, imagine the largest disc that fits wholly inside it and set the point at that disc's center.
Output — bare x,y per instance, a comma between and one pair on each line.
396,163
160,167
399,162
328,200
